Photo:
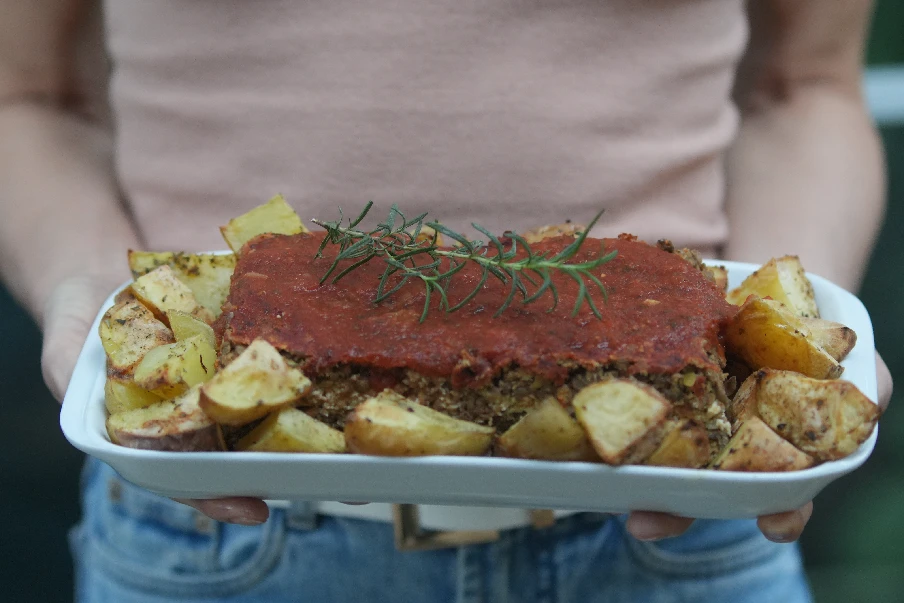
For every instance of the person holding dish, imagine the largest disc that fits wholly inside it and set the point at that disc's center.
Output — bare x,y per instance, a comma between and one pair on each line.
736,130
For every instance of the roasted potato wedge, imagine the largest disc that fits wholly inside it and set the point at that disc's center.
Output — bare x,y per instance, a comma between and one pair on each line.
174,425
185,326
535,235
826,419
755,447
719,276
390,425
162,292
291,430
765,334
784,280
624,420
128,331
258,382
546,432
276,216
686,444
172,369
120,396
836,339
206,274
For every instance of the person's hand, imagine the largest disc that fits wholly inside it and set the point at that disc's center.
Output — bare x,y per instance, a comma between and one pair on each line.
780,527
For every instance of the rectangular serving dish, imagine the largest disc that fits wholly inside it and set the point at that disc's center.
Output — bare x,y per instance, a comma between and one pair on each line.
483,481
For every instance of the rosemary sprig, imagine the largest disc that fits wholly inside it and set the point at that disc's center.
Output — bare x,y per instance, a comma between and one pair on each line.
398,241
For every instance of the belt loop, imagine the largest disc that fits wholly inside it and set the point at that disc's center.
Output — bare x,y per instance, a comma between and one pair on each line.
301,515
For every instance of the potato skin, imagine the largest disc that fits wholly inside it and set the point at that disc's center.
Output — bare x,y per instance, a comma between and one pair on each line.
171,425
391,425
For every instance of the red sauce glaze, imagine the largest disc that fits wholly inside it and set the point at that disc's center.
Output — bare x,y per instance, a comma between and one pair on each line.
276,295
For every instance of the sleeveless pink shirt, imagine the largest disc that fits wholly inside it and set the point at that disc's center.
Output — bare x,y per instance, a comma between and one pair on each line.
508,113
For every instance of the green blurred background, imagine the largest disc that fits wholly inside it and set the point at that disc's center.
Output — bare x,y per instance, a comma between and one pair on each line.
854,546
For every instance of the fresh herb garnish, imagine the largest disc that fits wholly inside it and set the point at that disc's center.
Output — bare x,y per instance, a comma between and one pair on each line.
411,253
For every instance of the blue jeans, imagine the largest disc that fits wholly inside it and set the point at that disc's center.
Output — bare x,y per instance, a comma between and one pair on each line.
135,547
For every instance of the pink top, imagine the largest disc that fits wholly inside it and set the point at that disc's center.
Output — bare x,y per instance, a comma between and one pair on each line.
509,113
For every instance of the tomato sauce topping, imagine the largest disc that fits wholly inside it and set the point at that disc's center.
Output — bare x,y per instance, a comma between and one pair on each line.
661,316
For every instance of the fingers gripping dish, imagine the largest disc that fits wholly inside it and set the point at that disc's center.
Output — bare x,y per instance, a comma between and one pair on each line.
619,354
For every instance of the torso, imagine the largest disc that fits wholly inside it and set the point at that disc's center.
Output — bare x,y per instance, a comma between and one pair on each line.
510,114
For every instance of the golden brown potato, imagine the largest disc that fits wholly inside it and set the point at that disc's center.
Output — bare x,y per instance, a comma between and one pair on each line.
185,325
429,234
719,276
623,419
206,274
784,280
391,425
535,235
275,216
686,444
162,292
120,396
755,447
546,432
171,369
765,334
174,425
291,430
128,331
836,339
826,419
256,383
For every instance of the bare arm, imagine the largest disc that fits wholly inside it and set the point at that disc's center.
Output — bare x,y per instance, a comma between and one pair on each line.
63,230
806,174
60,216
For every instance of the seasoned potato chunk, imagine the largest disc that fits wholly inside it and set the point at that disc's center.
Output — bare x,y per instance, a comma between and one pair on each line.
623,419
162,292
686,444
258,382
546,432
291,430
128,331
765,334
784,280
755,447
206,274
276,217
826,419
536,235
719,275
836,339
120,396
185,326
175,425
391,425
172,369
